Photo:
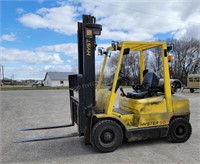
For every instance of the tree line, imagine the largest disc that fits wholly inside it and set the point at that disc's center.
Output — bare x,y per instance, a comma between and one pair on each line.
185,61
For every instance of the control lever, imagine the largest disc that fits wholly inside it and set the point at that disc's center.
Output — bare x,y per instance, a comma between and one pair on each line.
123,94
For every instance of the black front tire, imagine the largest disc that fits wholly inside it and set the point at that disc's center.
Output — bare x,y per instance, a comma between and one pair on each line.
107,136
180,130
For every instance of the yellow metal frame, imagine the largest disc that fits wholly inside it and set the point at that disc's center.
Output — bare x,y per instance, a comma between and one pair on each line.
141,47
141,65
103,68
156,111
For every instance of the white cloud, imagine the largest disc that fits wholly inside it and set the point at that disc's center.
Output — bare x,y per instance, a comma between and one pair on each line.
60,68
69,49
69,61
59,19
8,37
25,64
124,20
34,63
141,20
13,55
25,72
191,31
34,21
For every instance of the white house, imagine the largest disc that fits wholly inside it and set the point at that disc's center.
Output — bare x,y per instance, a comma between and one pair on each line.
55,79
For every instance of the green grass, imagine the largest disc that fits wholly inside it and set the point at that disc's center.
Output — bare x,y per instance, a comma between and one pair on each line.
28,87
16,88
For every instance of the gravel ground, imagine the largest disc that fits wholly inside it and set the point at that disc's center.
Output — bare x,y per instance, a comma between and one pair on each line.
21,109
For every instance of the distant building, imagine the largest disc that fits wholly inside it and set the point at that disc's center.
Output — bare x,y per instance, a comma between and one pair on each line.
7,81
55,79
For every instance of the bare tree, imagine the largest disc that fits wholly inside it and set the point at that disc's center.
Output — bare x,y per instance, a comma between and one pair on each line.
154,61
186,58
129,67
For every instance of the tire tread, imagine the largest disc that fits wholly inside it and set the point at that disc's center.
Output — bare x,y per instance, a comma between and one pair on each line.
170,136
103,123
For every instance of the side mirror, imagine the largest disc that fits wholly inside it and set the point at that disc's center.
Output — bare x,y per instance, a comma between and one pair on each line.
101,51
114,45
126,51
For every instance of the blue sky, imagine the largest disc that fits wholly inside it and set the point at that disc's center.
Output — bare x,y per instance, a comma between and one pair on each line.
38,36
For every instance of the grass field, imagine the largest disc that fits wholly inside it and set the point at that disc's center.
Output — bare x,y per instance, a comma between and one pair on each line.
28,87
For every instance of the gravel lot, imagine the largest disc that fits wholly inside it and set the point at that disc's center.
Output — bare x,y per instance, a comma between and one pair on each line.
21,109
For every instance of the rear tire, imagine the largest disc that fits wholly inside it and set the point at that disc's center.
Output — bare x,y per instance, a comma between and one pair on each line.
174,87
179,130
191,90
107,136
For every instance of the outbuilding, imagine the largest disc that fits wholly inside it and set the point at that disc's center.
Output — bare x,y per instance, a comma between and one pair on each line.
54,79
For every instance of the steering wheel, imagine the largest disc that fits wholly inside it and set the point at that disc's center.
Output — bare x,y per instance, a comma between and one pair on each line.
138,87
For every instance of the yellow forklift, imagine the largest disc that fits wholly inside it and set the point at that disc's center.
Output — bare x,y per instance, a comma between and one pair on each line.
147,111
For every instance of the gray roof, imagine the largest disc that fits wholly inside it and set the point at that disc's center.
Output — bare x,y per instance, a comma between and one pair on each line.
58,75
196,75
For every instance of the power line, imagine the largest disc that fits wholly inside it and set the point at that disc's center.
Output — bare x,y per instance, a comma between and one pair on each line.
143,12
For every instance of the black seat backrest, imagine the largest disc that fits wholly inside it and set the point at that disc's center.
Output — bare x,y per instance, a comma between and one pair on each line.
150,80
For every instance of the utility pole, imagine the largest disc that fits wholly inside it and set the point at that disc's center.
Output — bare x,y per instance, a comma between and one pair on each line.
1,72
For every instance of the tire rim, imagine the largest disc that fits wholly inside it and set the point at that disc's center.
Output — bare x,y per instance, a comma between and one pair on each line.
180,131
107,137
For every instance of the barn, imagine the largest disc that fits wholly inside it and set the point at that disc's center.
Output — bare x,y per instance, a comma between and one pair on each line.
54,79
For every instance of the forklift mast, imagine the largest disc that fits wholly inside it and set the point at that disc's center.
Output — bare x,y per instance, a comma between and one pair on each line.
84,82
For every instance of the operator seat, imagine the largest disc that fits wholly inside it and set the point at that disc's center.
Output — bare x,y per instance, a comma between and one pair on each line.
146,89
